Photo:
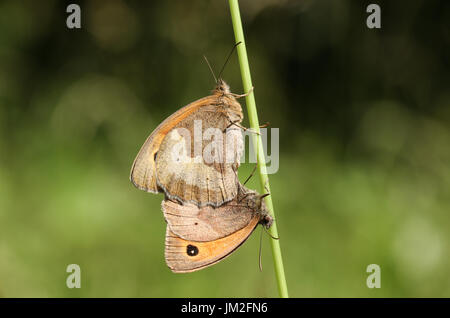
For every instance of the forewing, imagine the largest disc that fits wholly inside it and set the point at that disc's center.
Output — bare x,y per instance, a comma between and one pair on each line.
197,160
143,170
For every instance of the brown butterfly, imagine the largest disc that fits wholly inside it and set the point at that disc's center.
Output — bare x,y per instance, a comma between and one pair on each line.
173,162
200,237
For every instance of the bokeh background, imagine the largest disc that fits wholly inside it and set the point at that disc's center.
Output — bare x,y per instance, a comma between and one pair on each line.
364,118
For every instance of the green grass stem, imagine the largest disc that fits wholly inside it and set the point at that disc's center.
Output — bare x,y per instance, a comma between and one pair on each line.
254,125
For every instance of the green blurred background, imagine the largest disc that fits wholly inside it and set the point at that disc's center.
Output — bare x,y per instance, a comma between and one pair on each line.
364,144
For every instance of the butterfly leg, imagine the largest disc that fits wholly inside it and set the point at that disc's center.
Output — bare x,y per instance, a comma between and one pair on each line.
265,186
243,95
231,124
273,237
236,123
246,194
242,194
245,182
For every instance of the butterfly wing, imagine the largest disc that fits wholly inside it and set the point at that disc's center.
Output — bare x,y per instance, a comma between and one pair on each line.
197,160
143,170
207,223
183,256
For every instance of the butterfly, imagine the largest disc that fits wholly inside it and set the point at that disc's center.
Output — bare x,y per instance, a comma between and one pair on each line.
198,237
173,162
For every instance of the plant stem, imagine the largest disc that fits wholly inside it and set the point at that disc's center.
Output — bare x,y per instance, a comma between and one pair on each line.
254,125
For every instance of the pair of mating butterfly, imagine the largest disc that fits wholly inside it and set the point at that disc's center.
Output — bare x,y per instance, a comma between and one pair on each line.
209,214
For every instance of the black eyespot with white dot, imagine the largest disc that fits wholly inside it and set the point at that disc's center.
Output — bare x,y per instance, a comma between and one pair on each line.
191,250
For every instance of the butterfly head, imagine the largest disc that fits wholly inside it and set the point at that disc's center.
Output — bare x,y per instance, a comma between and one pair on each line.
228,100
255,202
222,88
265,218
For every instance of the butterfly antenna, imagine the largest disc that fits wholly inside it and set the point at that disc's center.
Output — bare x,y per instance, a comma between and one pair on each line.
229,55
260,251
210,68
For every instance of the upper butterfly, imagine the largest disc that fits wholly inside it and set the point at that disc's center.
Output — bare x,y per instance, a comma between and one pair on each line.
193,155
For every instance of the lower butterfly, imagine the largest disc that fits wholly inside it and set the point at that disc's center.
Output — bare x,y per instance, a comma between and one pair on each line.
200,237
